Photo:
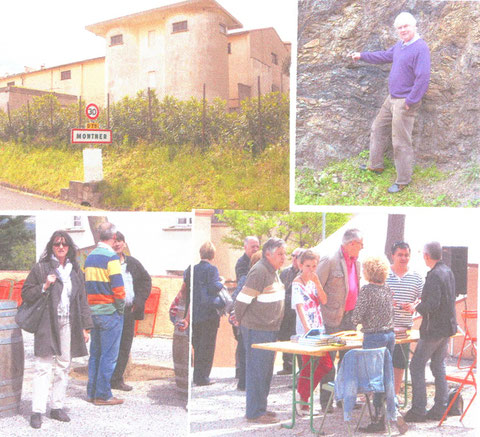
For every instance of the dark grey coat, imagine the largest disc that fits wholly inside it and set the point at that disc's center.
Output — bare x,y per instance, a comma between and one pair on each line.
47,339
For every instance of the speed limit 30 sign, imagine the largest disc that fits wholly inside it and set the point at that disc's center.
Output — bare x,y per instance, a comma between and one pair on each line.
92,111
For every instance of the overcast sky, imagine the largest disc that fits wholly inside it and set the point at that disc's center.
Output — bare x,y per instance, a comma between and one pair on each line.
52,32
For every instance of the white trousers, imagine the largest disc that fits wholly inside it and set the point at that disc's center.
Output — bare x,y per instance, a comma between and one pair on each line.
42,379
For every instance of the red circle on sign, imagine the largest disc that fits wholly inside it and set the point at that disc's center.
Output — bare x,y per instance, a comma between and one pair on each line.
92,111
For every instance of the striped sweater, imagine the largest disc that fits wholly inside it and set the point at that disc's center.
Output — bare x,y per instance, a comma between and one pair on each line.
406,289
103,281
260,303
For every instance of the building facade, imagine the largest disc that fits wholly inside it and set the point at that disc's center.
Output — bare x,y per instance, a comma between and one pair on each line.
182,50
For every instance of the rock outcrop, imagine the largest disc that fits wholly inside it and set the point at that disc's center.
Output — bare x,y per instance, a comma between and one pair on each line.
337,98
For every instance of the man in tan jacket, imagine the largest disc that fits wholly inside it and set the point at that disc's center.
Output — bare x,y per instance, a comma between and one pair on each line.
339,275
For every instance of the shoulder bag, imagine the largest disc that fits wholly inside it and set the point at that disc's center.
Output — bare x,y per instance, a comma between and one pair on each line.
29,314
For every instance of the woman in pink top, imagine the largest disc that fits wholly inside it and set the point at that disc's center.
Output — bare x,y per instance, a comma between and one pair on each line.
307,295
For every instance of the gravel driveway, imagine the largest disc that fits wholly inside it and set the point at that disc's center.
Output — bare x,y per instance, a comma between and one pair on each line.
152,408
219,409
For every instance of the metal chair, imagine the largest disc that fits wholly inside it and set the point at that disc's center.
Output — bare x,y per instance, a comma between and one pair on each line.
17,292
365,371
5,287
468,379
151,307
468,340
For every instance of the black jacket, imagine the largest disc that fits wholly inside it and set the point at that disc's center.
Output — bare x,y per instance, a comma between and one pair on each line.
438,303
47,337
142,285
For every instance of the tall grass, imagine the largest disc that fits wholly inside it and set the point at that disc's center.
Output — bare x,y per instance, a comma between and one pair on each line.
150,178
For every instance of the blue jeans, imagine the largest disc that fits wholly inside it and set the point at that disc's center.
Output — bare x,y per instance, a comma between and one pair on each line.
434,350
104,346
372,341
259,370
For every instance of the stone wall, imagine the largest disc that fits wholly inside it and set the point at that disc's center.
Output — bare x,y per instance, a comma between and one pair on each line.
337,99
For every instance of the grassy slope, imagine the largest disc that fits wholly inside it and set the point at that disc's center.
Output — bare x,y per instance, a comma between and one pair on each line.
342,183
144,178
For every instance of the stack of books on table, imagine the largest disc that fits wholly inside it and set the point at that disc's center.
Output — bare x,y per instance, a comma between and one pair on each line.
319,339
400,333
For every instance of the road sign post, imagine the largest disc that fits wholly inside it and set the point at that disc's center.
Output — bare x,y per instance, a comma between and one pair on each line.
92,158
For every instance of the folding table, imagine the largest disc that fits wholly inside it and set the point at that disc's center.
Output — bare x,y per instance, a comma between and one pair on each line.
314,353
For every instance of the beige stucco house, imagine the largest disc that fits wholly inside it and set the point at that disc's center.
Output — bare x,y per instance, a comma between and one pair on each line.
176,50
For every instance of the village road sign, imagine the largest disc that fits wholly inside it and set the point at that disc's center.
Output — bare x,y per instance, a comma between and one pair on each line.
91,136
92,111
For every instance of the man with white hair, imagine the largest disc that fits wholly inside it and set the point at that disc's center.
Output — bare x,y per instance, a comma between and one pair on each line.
407,83
259,311
339,274
439,323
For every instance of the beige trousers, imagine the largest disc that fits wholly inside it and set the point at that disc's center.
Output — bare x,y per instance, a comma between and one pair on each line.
394,123
42,379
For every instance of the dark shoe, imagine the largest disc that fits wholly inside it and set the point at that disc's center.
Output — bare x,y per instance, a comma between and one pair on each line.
433,415
111,401
396,188
270,413
364,167
284,372
410,416
374,427
265,419
36,420
59,414
121,386
240,387
401,425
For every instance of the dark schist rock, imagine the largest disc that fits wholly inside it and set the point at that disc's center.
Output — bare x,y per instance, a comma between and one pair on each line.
338,99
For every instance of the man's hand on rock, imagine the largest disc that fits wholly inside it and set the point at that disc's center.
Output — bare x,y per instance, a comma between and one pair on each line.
355,56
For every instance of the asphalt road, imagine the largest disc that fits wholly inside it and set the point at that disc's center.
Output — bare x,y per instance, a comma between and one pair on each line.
11,199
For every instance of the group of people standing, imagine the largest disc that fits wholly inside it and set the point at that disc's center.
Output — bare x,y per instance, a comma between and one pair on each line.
325,293
100,304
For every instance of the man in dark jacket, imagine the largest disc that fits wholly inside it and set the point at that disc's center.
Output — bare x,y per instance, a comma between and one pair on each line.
288,326
251,245
437,308
138,285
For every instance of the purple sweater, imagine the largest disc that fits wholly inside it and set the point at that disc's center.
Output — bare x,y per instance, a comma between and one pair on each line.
410,71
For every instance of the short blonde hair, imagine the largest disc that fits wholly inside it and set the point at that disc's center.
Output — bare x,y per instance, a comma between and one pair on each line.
257,256
207,251
375,269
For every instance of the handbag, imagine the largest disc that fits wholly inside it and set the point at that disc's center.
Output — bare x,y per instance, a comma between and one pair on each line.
29,314
457,407
223,302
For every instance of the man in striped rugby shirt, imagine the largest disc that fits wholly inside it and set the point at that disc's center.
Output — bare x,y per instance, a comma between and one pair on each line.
406,286
106,298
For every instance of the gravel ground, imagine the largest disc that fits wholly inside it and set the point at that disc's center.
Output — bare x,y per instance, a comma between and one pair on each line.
219,409
149,409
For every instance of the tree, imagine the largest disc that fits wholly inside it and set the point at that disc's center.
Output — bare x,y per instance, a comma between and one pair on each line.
303,229
17,242
395,232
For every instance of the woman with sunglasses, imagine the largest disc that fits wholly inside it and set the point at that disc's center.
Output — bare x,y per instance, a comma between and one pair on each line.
63,330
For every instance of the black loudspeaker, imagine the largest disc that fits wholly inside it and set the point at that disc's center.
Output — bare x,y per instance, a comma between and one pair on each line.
457,259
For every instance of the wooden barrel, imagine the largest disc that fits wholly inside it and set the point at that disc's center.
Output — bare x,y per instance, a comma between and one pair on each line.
11,360
180,352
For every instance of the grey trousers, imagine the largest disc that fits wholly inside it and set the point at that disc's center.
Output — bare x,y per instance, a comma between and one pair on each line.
394,123
434,350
